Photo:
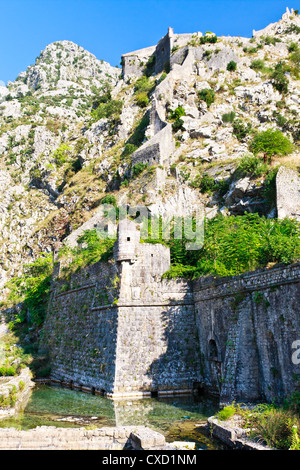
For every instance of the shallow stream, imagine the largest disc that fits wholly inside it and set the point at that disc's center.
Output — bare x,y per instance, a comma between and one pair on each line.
180,418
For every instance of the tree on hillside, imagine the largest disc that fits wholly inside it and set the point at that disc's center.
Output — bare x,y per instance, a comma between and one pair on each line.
271,142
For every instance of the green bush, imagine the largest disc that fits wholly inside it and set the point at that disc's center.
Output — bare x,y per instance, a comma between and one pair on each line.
129,149
207,95
231,66
276,429
251,166
142,89
279,80
61,155
228,117
137,137
7,371
240,130
271,142
142,100
109,199
150,65
138,168
175,115
226,413
293,47
208,38
258,65
32,289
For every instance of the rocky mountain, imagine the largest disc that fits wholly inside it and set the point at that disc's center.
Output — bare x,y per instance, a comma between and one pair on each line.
74,129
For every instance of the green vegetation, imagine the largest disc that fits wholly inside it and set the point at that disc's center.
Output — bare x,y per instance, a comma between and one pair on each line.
231,66
279,79
207,95
142,89
241,130
228,117
250,165
226,413
271,142
237,244
259,66
32,290
150,66
207,184
91,248
137,137
61,155
104,106
174,116
277,426
137,169
208,38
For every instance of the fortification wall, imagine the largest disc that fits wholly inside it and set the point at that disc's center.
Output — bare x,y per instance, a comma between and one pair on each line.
246,327
81,328
122,330
123,336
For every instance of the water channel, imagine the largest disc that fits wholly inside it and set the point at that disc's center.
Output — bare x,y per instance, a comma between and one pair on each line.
180,418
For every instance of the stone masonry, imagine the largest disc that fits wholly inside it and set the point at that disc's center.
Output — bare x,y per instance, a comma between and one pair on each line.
121,330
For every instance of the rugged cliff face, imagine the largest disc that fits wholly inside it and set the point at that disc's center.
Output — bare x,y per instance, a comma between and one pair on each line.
74,129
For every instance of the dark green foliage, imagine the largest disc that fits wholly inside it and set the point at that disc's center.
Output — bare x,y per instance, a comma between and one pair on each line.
270,40
150,65
109,199
136,139
208,38
293,28
228,117
280,120
279,80
207,184
259,65
138,168
231,66
251,166
129,149
175,115
293,47
207,95
167,67
240,130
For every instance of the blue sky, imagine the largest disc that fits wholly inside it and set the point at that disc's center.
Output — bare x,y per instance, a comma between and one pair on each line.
112,27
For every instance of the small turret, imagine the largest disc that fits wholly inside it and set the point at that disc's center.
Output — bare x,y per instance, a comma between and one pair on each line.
128,239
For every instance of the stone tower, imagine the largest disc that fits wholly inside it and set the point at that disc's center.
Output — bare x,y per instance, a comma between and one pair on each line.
128,239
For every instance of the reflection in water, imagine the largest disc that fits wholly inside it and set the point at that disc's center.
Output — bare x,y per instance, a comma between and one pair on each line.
178,418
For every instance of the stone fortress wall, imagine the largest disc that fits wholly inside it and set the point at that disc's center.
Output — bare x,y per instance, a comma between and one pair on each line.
121,330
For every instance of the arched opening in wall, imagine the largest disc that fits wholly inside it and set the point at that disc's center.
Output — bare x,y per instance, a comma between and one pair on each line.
154,394
212,350
93,390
